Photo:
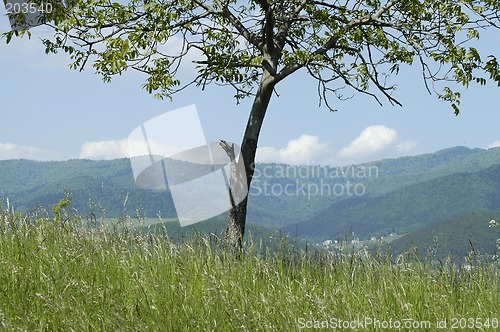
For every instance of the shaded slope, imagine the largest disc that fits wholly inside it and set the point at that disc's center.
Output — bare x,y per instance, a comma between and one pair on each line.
406,209
453,236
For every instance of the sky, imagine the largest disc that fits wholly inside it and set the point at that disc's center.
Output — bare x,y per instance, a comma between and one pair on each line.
49,112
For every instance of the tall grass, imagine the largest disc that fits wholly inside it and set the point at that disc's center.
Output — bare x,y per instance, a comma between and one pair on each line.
57,275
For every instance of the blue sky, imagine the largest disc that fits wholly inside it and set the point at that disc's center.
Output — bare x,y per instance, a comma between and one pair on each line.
51,112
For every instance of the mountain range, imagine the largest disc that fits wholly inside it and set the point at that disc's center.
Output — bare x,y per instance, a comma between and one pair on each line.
447,194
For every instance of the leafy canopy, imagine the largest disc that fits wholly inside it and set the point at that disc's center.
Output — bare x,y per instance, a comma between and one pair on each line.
342,43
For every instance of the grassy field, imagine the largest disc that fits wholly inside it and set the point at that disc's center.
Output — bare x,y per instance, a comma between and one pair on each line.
58,276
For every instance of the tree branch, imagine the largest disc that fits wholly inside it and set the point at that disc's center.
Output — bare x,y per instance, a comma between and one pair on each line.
360,21
288,71
283,31
268,32
237,24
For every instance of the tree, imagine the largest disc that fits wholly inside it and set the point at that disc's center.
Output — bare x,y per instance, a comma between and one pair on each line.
253,45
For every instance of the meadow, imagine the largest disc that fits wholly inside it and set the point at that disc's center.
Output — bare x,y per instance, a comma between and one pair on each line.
60,274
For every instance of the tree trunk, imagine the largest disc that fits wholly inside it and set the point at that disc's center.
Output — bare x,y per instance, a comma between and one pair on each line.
238,211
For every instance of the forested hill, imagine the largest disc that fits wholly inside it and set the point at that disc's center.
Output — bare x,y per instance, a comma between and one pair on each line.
386,176
419,206
93,184
402,194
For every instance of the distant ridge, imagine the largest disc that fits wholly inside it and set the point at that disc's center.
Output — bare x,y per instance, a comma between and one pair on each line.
408,194
407,209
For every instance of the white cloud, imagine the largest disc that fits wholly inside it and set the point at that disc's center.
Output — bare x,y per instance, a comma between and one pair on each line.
307,149
372,140
375,142
14,151
123,148
406,146
111,149
495,144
